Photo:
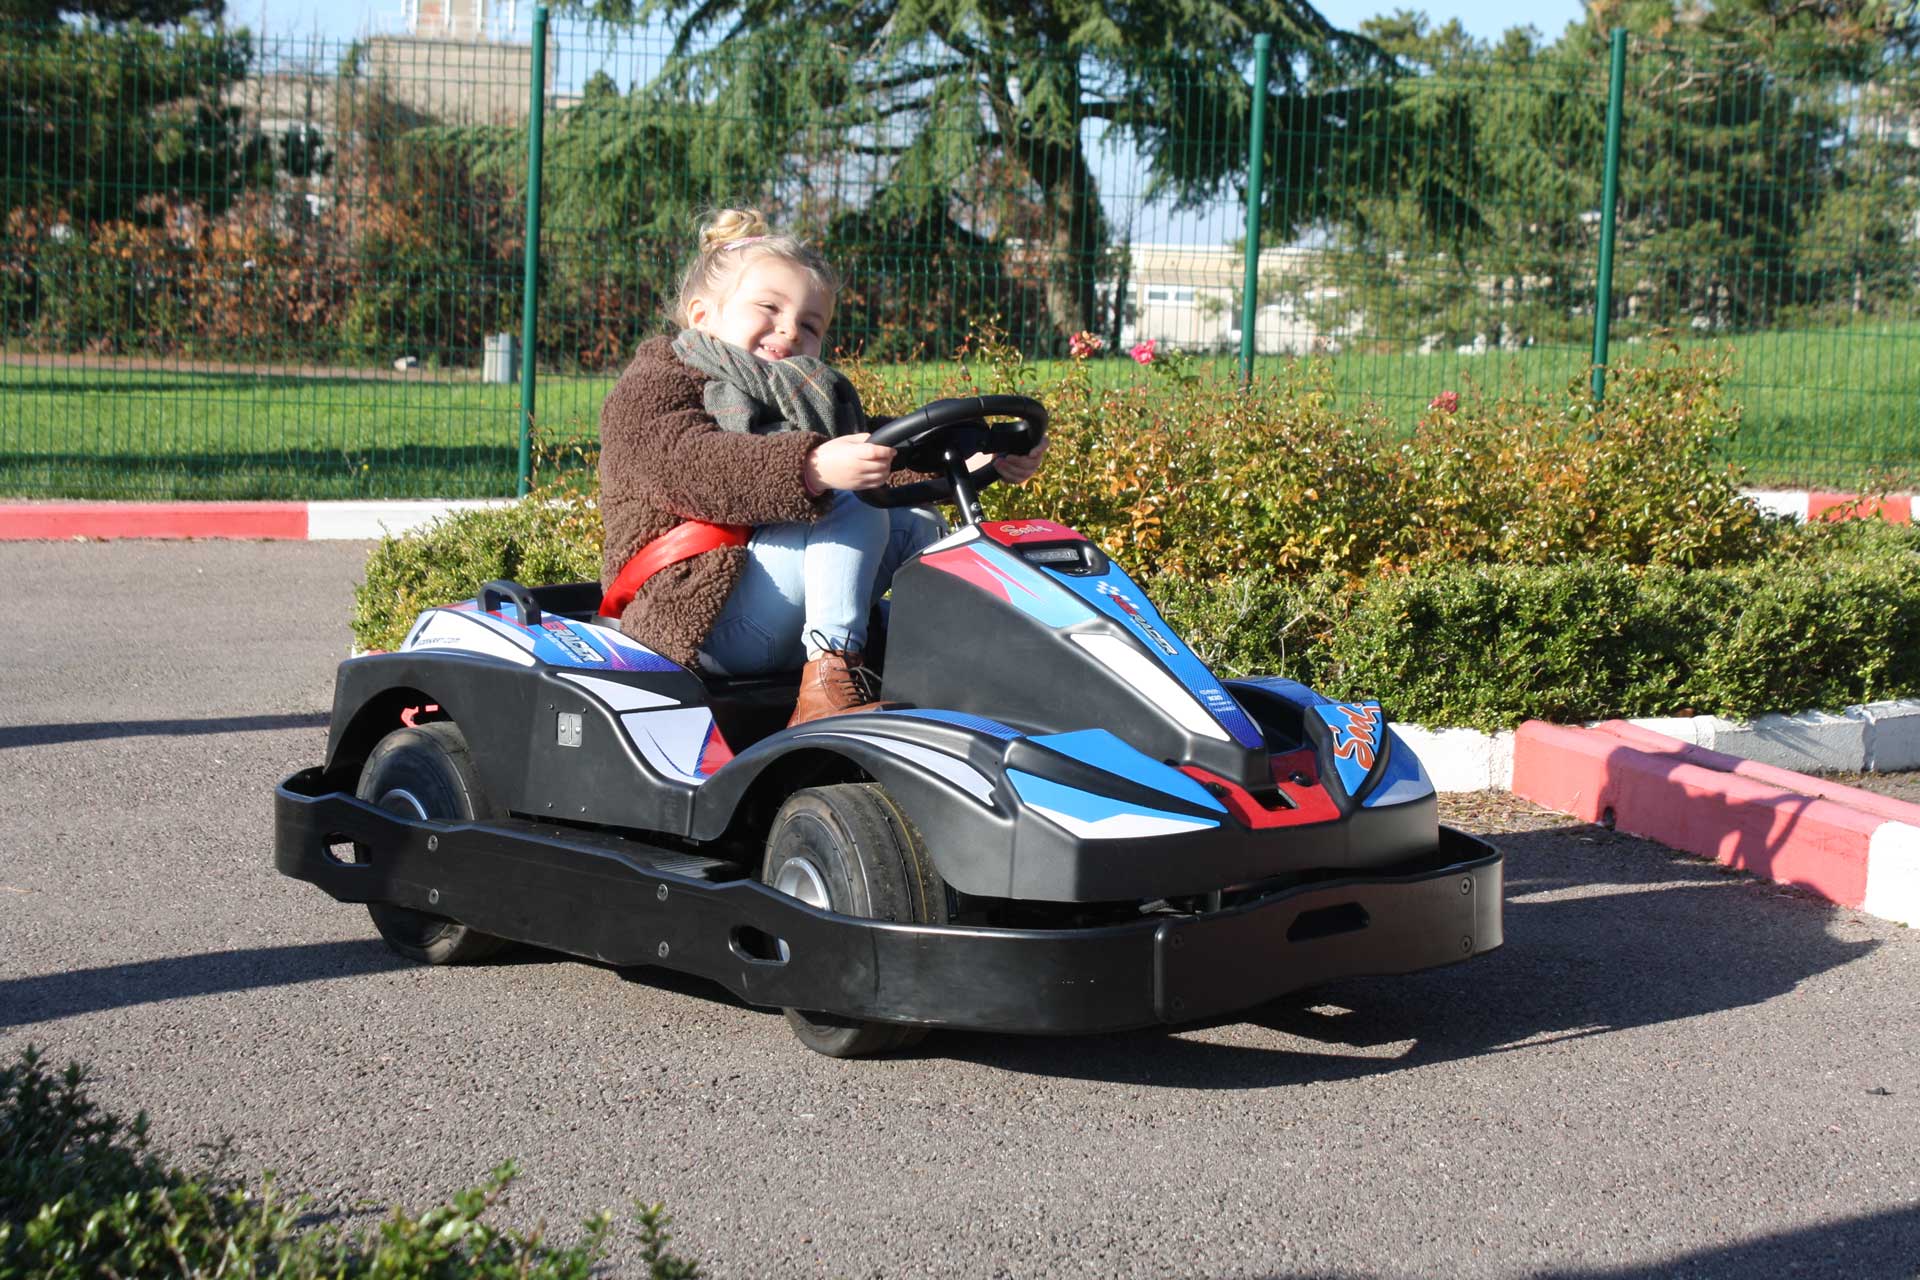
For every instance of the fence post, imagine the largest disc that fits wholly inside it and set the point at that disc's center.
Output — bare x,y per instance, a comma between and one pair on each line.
529,288
1609,197
1256,154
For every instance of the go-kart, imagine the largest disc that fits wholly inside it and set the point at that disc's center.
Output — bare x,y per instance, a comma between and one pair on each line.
1064,822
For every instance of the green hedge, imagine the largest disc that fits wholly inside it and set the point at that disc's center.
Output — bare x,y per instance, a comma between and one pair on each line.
1828,622
82,1196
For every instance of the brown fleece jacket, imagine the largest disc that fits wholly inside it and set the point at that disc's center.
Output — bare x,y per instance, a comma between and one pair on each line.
663,459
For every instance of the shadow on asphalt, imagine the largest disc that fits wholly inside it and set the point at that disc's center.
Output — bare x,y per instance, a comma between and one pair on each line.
1872,1246
1603,932
25,1001
43,735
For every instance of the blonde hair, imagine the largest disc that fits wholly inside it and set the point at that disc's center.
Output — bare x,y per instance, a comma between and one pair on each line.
731,240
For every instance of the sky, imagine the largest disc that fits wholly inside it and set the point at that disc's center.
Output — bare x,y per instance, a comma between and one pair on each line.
346,19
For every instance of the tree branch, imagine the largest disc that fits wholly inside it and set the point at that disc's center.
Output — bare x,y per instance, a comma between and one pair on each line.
913,76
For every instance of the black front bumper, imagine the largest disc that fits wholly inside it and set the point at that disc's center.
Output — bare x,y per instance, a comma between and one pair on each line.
624,902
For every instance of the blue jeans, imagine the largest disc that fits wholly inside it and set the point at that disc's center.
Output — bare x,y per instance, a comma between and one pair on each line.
809,587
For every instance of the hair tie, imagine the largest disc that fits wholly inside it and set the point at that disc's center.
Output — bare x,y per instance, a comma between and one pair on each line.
731,245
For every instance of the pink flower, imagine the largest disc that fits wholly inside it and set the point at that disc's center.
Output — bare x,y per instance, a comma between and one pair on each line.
1083,344
1143,352
1445,402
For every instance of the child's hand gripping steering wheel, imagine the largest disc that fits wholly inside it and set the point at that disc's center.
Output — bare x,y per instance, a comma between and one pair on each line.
942,435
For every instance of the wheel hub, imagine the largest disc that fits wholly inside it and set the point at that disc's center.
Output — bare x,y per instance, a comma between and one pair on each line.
799,878
403,802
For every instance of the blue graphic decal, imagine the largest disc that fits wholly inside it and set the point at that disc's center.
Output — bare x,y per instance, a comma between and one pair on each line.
562,642
979,724
1404,778
1089,807
1114,594
1357,729
1104,751
631,655
556,641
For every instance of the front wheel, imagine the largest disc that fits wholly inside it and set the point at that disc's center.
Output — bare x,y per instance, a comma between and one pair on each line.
426,771
849,849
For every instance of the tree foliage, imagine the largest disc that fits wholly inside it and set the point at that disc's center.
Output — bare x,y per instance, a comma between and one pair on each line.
1759,178
106,124
150,12
931,94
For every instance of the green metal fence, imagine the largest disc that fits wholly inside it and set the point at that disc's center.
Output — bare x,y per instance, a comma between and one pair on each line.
1771,208
232,267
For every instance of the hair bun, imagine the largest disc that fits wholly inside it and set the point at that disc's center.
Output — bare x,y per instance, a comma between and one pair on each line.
729,225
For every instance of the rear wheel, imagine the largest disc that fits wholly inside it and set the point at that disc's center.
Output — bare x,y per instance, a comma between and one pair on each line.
426,771
849,849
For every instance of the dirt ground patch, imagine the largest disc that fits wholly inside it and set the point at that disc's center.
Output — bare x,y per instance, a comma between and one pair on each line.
1495,811
1901,786
1498,812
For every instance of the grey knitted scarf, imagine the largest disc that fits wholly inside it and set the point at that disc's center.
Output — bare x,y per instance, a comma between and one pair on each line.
746,393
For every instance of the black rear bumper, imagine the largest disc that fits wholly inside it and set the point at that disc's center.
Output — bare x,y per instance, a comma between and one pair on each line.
624,902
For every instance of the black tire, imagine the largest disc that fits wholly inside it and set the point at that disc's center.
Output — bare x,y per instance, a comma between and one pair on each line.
426,771
849,849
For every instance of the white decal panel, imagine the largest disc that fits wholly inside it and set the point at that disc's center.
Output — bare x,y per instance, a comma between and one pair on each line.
467,632
959,537
1119,826
671,741
1159,688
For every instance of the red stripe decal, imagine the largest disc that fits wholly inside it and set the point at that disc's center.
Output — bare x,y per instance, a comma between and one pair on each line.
714,753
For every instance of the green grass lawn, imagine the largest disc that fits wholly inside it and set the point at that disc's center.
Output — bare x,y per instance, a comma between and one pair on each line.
1826,408
1830,408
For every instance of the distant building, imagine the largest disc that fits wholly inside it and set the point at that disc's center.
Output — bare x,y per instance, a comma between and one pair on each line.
1188,296
460,19
458,63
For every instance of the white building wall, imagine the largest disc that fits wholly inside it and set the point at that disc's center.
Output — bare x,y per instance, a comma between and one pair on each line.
1186,296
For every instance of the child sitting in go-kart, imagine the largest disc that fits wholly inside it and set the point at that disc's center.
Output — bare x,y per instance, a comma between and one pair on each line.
729,460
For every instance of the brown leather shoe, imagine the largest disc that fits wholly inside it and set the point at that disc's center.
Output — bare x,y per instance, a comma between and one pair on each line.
834,684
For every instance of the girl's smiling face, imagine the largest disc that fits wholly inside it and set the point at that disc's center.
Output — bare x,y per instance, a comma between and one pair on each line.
775,309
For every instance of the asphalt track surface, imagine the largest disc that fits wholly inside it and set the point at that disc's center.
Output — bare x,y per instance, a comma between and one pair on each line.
1668,1071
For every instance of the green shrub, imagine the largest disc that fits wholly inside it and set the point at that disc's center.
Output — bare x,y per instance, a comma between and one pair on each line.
553,535
1190,474
82,1196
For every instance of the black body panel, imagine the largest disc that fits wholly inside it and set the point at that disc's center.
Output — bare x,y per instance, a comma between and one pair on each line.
509,715
626,902
1029,675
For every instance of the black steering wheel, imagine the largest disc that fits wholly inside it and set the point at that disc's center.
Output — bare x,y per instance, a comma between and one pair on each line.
941,436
